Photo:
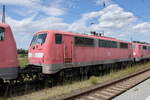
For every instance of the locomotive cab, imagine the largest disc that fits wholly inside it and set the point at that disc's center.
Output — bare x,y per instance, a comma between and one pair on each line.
45,51
140,51
37,49
8,53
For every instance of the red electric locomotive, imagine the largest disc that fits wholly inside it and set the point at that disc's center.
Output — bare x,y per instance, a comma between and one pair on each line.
8,53
57,50
141,51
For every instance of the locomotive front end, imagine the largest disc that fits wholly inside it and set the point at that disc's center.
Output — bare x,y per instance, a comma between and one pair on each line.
38,53
8,54
36,49
46,51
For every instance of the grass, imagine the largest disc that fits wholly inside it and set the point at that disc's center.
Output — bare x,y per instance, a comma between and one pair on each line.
23,61
93,80
45,94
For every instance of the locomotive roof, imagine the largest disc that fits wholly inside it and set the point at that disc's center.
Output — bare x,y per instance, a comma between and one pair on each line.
140,44
4,25
82,35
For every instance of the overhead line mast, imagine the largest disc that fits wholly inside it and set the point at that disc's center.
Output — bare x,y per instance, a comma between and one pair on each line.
3,14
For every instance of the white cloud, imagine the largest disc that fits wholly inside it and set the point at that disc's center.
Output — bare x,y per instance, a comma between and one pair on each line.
23,29
53,11
109,19
52,8
141,31
115,17
142,27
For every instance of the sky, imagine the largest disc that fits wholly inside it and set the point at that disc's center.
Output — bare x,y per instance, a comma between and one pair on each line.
123,19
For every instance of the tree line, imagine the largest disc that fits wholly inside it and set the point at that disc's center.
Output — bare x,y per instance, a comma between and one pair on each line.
22,51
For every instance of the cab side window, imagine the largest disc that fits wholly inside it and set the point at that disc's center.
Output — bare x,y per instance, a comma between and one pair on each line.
58,38
1,33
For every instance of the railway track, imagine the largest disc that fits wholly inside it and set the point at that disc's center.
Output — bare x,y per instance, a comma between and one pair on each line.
109,89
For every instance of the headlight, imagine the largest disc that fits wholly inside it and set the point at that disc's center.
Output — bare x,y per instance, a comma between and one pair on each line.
29,55
39,55
134,53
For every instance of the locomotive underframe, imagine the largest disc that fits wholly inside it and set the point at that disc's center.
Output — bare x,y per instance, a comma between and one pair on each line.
54,68
8,73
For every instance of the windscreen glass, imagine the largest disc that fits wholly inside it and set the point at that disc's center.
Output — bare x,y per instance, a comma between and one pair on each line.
1,33
39,39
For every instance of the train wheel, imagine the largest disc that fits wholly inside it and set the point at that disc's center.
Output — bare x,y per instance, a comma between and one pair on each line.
49,81
65,76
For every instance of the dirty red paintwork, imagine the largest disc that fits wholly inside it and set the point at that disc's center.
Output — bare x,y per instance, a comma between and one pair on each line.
8,54
8,50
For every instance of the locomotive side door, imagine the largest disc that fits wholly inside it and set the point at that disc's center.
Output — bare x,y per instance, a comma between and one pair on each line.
67,44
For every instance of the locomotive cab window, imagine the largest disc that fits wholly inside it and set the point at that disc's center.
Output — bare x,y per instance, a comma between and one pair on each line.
39,39
58,38
1,34
144,47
